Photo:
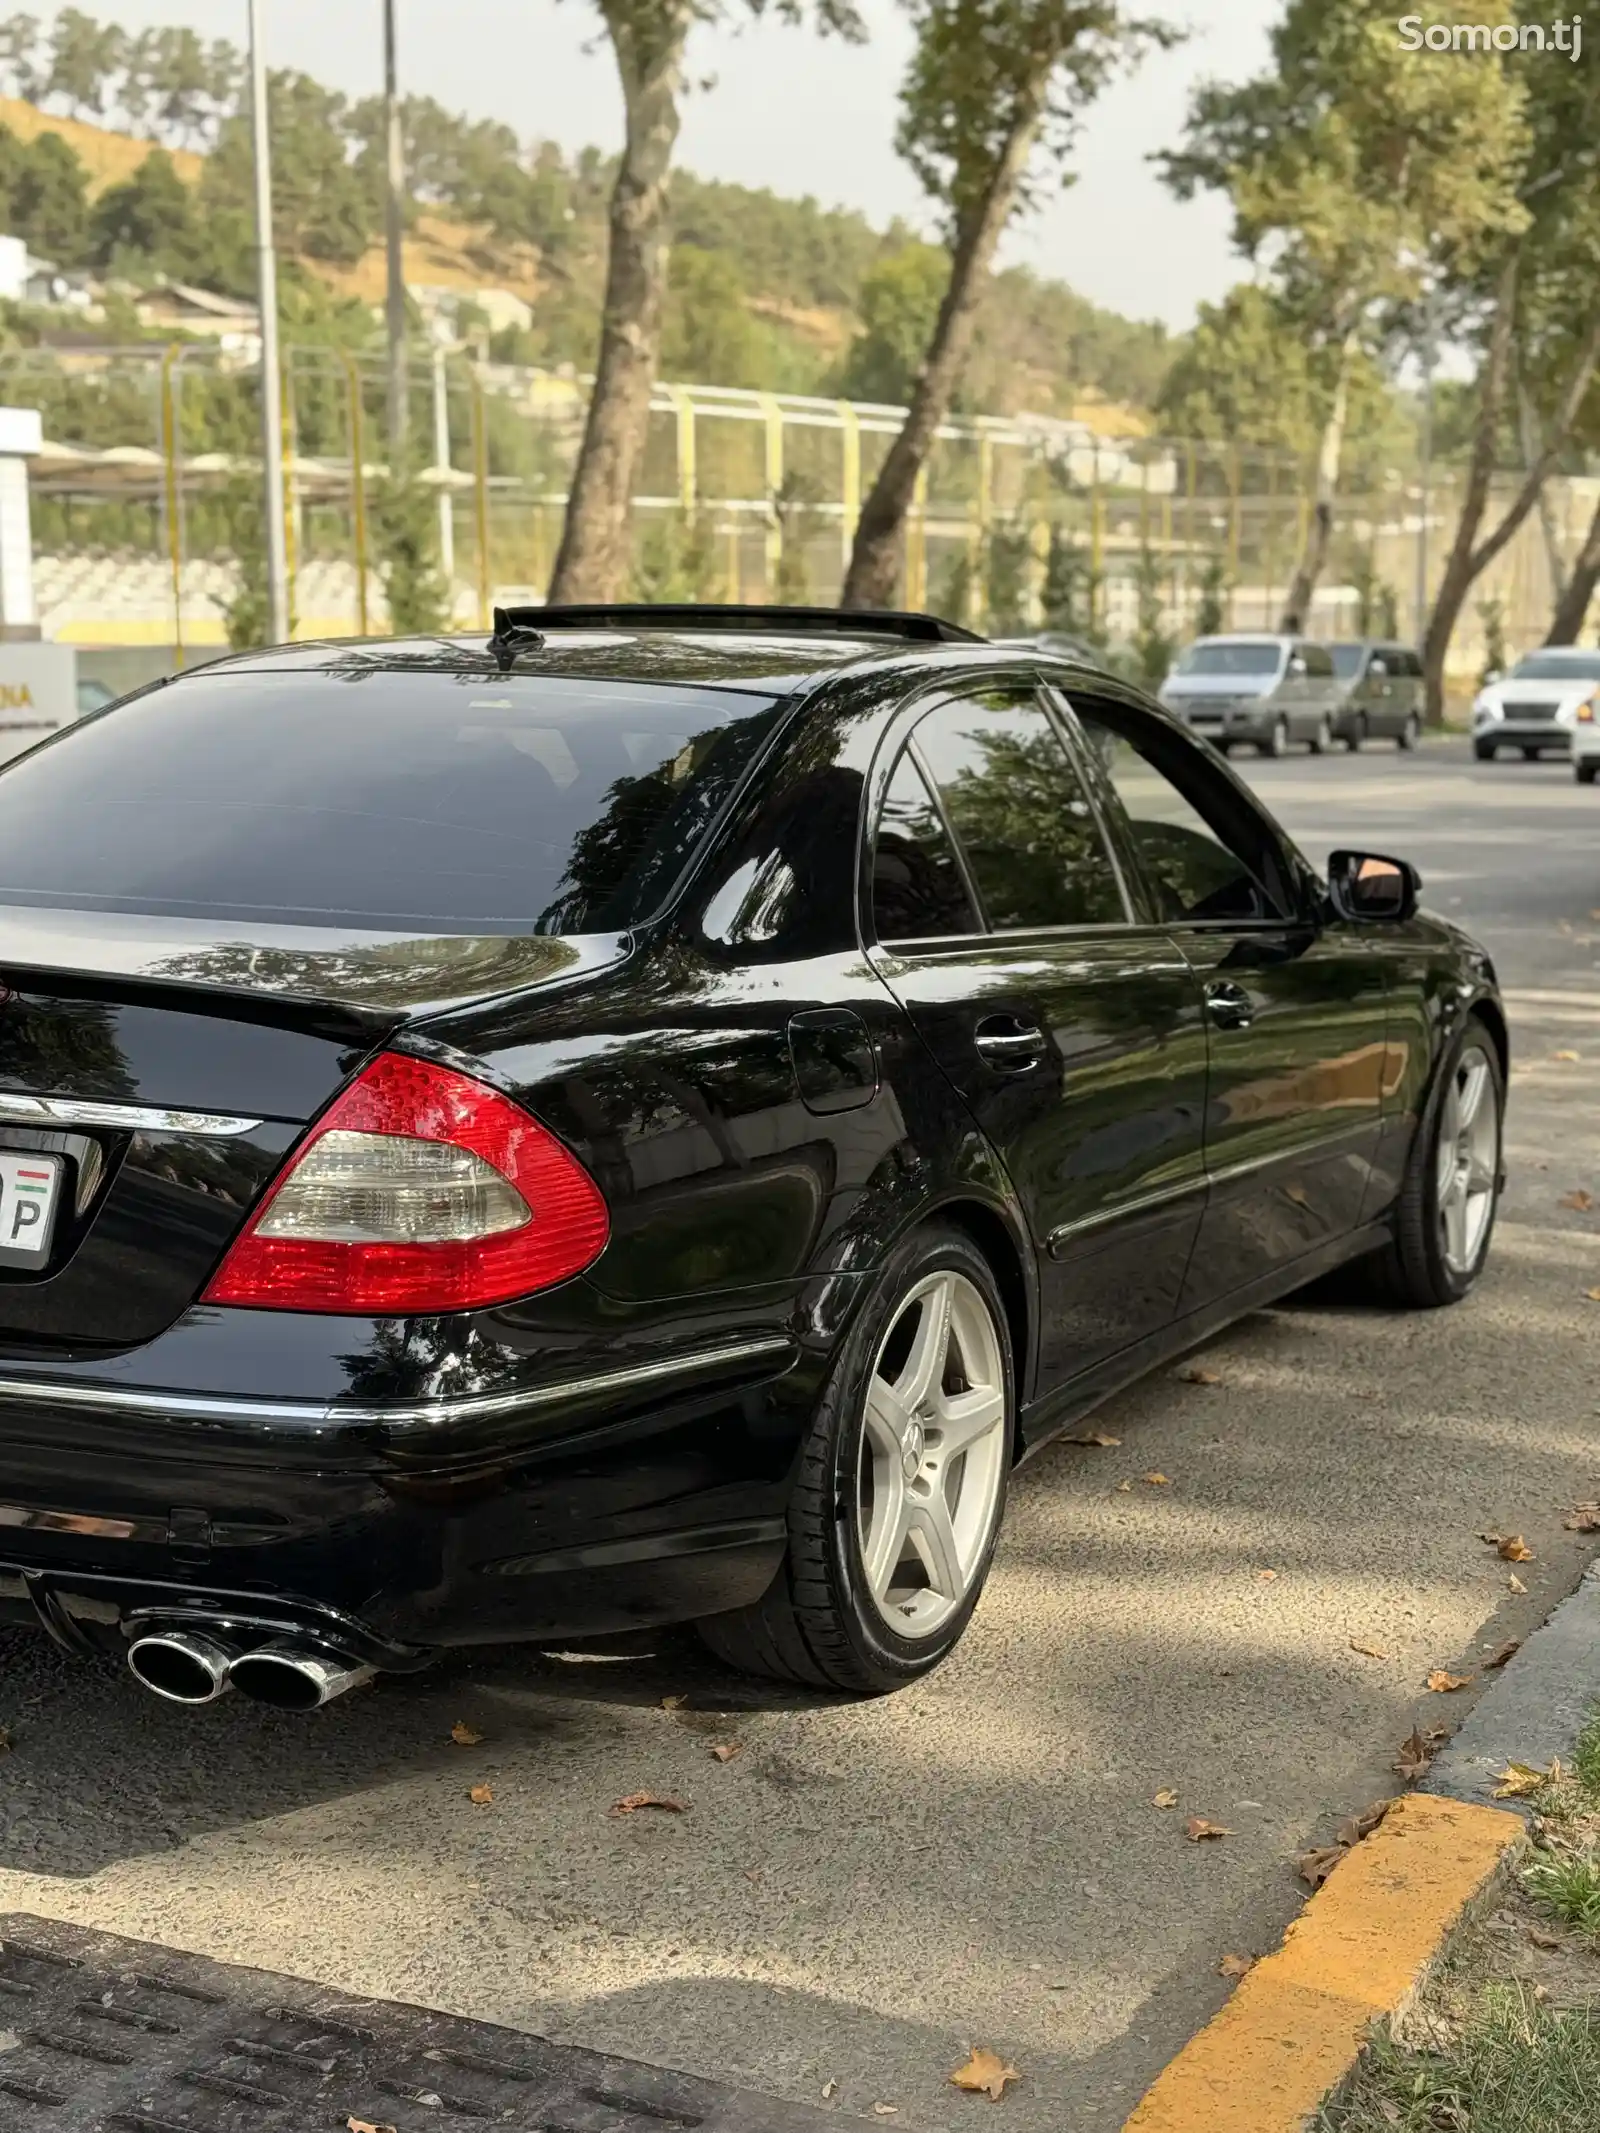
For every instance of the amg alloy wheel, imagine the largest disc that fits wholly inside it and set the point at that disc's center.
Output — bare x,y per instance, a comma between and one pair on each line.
902,1485
1446,1212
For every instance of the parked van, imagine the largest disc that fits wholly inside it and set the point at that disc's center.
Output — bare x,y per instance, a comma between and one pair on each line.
1265,692
1381,699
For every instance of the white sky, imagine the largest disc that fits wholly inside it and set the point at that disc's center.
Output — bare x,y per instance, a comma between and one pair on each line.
791,111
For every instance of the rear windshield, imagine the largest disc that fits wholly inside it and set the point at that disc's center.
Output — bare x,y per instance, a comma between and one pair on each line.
1230,659
1557,666
439,802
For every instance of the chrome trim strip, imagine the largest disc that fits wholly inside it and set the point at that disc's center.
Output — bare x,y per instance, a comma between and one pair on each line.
1126,1210
52,1392
19,1110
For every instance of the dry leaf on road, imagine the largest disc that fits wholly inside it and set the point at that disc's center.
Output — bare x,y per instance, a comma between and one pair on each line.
366,2125
1442,1682
1315,1867
1354,1827
1541,1939
1584,1520
726,1750
1165,1798
1156,1481
886,2110
1095,1437
673,1703
828,2088
1514,1549
1416,1750
1578,1200
463,1735
631,1803
1592,1296
1368,1651
1236,1966
1498,1657
986,2074
1197,1374
1567,1058
1519,1781
1197,1829
481,1796
1515,1584
1123,1487
1265,1577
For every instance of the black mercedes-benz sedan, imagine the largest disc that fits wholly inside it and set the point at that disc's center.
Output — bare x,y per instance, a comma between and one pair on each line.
646,1118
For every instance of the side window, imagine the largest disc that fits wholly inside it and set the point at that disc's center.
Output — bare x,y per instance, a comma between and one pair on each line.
917,889
1203,851
1319,662
1032,842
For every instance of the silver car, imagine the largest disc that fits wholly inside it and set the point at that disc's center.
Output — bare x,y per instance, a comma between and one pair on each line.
1381,692
1264,692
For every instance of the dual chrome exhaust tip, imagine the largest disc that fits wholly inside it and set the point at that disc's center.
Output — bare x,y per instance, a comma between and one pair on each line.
187,1666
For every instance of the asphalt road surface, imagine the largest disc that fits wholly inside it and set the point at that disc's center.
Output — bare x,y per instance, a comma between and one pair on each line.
865,1890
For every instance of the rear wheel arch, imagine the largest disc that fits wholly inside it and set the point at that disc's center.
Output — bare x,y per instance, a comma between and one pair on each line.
993,1237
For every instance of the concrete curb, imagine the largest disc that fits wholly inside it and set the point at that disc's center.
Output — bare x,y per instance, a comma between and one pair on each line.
1298,2021
1360,1948
1536,1710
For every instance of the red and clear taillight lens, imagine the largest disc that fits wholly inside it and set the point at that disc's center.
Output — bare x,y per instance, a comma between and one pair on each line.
418,1190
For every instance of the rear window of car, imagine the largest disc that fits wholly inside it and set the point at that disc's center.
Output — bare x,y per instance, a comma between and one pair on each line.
1226,658
438,801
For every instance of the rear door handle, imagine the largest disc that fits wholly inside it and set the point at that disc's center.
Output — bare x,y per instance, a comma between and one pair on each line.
1229,1005
1009,1045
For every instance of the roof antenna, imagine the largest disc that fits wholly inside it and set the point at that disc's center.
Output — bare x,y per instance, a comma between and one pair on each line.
510,639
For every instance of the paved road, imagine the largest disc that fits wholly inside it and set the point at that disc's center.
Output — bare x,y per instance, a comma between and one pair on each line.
866,1889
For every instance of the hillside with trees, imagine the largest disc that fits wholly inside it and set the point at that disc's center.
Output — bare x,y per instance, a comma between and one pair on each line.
127,157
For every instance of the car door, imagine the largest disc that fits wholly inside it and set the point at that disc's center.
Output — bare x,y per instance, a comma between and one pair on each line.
1381,692
1296,1003
1322,690
1074,1035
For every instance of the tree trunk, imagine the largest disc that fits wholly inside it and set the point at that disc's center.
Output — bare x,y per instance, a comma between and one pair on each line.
1469,556
1330,454
593,560
874,571
1566,624
1532,445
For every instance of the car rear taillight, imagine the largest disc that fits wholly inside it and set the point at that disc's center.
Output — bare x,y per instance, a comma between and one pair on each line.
418,1190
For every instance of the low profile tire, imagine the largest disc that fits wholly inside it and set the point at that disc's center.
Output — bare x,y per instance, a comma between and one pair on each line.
1410,734
1585,773
1445,1217
1278,742
901,1488
1322,740
1357,735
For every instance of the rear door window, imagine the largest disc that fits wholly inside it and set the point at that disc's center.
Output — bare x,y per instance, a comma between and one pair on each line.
1030,837
438,801
918,890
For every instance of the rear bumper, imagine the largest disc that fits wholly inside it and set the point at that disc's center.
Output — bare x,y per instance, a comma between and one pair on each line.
646,1489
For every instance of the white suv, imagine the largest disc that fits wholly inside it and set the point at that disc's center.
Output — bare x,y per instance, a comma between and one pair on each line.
1586,741
1540,706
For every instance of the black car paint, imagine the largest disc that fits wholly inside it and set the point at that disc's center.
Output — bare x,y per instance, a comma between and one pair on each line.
765,1118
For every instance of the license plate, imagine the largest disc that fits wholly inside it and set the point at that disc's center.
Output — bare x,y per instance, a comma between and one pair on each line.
30,1185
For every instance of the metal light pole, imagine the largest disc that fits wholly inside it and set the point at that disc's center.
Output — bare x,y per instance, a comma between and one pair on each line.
394,233
271,372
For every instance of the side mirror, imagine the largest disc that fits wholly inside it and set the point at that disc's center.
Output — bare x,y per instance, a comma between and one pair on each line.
1378,670
1297,666
1368,889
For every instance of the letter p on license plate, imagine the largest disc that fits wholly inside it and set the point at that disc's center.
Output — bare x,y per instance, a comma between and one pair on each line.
30,1185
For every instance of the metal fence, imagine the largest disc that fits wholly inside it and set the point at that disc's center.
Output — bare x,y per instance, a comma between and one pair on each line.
148,525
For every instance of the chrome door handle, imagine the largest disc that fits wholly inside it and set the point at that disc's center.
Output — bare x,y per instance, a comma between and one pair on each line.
1229,1005
1010,1046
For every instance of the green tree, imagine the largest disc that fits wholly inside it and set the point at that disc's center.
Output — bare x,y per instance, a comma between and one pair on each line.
1353,166
677,559
1007,568
993,88
1153,643
47,196
85,58
1216,599
648,39
1243,374
1492,618
150,216
707,332
405,525
20,57
898,304
1070,598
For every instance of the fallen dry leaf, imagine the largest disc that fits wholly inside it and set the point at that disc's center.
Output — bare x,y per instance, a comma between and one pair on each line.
1123,1487
1583,1521
828,2089
481,1796
986,2074
1498,1657
1519,1781
1236,1966
1515,1584
1568,1058
1098,1438
1156,1481
1197,1829
726,1750
1579,1201
463,1735
1354,1827
631,1803
1368,1651
1514,1549
1197,1374
1165,1798
673,1703
366,2125
886,2110
1442,1683
1541,1939
1592,1296
1416,1753
1265,1577
1315,1867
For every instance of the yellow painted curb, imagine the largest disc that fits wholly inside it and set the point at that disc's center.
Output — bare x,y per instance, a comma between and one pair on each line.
1297,2022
